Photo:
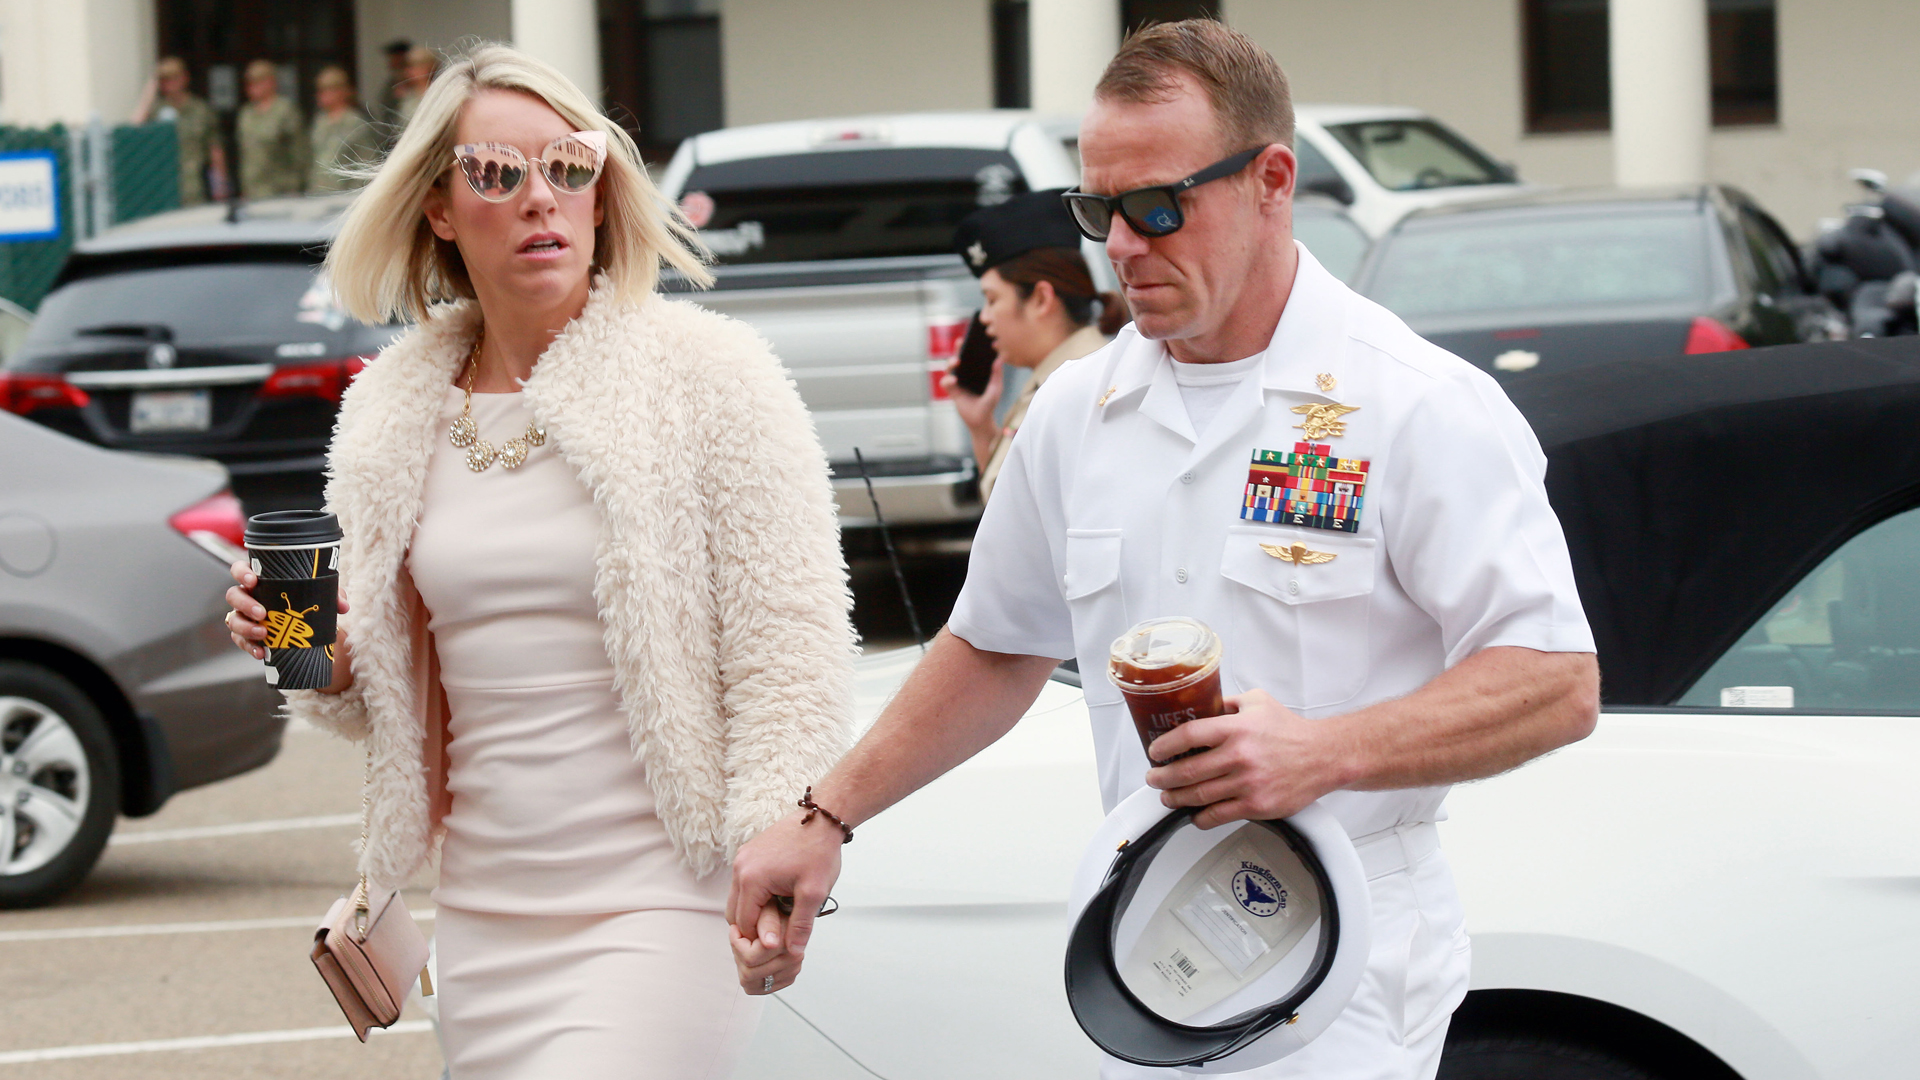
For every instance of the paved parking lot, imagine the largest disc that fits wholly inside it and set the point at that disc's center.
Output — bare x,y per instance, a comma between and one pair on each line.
185,954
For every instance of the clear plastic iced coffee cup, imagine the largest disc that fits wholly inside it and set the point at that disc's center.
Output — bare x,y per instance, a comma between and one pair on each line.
1168,670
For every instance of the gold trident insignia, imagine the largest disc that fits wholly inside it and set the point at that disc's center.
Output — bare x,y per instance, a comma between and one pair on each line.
289,628
1299,554
1324,420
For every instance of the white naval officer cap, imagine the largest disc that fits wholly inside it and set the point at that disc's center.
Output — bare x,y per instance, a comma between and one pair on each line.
1214,951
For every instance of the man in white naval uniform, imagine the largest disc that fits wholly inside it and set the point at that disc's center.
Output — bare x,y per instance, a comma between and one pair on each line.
1360,515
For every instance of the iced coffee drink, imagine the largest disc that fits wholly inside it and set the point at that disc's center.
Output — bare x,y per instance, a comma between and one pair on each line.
1169,672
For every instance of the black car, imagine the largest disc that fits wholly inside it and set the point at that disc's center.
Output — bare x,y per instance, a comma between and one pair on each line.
1558,279
205,332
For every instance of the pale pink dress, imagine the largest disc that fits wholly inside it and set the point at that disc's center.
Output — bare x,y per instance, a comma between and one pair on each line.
572,942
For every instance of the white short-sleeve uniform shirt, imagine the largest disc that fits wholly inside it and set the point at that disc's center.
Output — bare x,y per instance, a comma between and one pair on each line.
1426,489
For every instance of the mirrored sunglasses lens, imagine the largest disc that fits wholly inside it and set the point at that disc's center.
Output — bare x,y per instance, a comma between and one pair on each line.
494,176
1153,213
1093,217
572,164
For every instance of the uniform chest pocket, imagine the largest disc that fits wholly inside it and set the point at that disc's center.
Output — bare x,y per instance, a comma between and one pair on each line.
1091,586
1301,602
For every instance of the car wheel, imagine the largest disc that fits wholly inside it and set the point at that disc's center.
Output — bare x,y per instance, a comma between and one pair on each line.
59,785
1528,1057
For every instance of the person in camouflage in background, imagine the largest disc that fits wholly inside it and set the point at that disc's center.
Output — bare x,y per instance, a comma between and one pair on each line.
168,99
422,64
342,137
273,141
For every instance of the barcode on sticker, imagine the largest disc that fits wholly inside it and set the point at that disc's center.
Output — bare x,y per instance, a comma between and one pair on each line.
1185,965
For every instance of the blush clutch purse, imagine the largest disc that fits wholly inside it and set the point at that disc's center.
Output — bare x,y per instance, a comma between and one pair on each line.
368,949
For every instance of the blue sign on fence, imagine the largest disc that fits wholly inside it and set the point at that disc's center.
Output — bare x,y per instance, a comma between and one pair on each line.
29,196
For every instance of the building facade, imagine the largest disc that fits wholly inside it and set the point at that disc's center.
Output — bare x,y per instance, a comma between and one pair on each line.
1781,97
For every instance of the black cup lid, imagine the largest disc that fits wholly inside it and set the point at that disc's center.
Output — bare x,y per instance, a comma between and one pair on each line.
292,528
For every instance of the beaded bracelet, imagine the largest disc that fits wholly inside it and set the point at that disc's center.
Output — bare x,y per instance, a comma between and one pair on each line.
812,808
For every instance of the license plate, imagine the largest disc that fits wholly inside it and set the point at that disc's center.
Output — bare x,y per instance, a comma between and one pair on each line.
160,411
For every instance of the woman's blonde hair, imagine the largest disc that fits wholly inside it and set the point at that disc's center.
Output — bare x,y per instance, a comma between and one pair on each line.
387,264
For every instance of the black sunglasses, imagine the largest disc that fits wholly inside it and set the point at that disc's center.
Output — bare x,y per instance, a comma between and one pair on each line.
1151,211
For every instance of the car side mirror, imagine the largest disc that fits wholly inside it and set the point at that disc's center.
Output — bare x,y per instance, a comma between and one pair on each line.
1333,186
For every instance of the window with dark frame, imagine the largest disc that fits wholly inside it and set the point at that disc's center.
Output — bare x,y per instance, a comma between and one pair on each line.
661,64
299,38
1567,85
1743,52
1012,73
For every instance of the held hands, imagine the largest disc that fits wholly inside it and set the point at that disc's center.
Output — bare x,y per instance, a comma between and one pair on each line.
1262,761
787,860
244,627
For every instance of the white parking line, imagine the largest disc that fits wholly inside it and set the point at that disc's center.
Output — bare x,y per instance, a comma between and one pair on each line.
68,933
238,828
202,1042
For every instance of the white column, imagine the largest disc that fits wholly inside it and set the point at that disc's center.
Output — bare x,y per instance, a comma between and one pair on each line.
1662,91
1069,43
564,33
68,61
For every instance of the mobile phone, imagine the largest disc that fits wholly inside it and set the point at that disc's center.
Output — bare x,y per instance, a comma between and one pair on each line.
976,358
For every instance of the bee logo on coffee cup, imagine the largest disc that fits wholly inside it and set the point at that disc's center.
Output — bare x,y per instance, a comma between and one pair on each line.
296,554
289,629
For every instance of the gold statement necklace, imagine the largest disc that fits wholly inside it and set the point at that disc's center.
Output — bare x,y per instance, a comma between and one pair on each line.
465,434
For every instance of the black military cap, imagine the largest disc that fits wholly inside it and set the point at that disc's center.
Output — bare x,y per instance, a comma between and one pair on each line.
988,237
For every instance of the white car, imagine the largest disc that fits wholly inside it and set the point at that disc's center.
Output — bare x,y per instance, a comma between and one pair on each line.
1725,885
1386,162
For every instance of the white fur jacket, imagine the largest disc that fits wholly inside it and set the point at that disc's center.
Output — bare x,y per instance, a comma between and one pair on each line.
719,577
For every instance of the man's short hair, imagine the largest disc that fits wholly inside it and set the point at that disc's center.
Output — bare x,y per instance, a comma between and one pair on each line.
333,75
262,69
170,66
1243,81
398,47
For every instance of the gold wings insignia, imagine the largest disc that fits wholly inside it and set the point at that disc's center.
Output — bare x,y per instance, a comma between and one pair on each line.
1299,554
1324,419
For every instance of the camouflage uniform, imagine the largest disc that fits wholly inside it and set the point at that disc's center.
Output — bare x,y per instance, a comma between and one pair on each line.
345,141
195,125
403,107
273,150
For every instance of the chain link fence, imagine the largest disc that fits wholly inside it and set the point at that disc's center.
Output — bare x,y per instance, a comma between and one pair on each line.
103,176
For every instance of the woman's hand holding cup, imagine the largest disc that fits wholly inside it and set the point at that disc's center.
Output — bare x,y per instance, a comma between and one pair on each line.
247,631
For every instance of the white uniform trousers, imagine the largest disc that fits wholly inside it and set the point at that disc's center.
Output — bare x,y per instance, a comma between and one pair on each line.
1416,976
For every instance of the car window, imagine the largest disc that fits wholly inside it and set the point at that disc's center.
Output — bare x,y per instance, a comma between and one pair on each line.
1409,155
1779,269
1313,166
1462,263
1333,238
209,304
1846,637
844,204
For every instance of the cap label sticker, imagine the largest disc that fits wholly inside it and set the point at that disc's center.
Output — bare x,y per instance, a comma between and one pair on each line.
1238,911
1221,929
1259,891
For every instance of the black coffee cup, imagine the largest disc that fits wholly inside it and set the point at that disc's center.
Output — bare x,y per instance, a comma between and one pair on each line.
296,555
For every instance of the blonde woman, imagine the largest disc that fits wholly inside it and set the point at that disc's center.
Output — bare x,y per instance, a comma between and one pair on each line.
596,609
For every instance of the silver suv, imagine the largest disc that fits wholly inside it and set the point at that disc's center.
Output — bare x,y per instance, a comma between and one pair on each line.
835,242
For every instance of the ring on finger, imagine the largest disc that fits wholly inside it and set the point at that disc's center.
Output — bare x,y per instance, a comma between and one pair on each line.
766,985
